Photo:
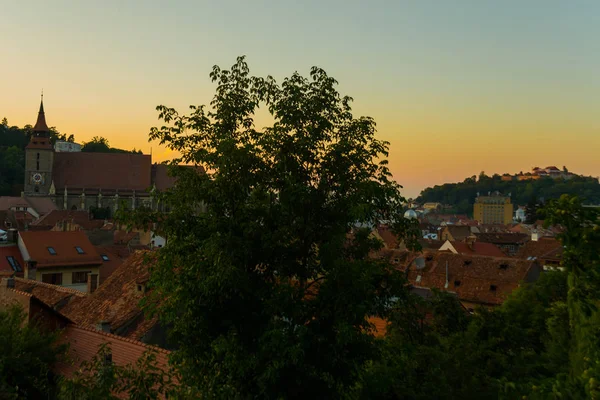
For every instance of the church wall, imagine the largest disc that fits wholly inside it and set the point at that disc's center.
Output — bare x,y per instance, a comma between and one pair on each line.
46,161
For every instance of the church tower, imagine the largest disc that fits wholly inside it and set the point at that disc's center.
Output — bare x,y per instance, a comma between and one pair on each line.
39,158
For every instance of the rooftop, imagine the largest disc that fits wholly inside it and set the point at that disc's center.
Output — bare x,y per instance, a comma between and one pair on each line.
55,248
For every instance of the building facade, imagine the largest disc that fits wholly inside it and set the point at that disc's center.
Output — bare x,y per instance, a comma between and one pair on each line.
80,181
493,209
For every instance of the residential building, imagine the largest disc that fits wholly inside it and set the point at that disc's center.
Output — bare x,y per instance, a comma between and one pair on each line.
547,251
509,243
60,258
476,280
62,146
520,214
493,209
455,233
11,261
472,247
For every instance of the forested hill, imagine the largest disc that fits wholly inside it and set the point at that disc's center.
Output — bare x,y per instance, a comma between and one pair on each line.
12,153
462,195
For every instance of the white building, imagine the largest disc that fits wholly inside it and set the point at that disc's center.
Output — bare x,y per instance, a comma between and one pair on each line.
67,147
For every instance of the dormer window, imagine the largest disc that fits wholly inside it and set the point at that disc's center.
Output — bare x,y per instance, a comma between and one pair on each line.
468,262
456,283
493,288
105,257
141,288
79,250
504,266
51,251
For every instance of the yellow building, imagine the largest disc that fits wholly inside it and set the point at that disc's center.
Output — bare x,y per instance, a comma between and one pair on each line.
494,209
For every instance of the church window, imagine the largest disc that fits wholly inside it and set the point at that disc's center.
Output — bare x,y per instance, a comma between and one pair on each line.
36,189
38,156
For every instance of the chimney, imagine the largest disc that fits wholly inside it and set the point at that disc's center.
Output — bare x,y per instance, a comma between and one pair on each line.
12,236
103,326
470,240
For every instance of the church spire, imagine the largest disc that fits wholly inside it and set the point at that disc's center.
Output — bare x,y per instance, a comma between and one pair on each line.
40,125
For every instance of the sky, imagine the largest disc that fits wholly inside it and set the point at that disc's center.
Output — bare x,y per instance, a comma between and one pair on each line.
456,87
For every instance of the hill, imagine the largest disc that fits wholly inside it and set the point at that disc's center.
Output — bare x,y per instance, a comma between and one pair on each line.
462,195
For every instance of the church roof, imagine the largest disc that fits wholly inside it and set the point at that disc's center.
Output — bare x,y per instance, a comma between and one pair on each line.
40,125
106,171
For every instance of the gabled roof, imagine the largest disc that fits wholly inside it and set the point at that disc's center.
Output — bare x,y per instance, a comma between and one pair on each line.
79,217
41,205
55,297
483,280
115,256
544,249
458,232
502,238
11,261
478,248
64,244
84,344
106,171
389,239
116,301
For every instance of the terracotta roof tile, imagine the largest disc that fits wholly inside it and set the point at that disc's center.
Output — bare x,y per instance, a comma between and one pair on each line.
478,248
84,344
64,244
116,300
53,296
78,217
502,238
483,280
11,253
544,249
106,171
115,256
389,239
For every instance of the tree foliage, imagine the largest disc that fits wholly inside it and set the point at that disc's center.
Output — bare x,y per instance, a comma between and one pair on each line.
27,354
265,296
462,195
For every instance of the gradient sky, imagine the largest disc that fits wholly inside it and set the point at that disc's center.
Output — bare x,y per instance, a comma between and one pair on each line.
457,87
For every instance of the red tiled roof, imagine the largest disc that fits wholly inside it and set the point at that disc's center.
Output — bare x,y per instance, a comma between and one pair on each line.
106,171
42,205
502,237
40,124
458,232
78,217
478,248
544,248
161,178
124,237
116,301
84,344
389,239
5,266
55,297
64,243
484,280
116,256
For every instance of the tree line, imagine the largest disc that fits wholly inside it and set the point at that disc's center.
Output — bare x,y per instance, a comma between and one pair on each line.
12,153
462,195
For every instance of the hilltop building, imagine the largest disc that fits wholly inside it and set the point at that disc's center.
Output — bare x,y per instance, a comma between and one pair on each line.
79,181
493,209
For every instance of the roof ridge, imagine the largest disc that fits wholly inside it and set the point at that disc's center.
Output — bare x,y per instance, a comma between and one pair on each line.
21,292
54,287
122,338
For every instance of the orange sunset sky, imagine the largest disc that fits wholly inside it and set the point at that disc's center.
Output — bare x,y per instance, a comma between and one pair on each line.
456,87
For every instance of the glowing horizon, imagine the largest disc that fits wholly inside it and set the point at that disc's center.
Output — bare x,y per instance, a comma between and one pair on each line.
456,90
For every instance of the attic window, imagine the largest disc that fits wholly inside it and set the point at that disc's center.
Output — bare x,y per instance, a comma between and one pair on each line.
456,283
51,251
79,250
493,288
105,257
396,260
14,264
141,288
468,262
504,266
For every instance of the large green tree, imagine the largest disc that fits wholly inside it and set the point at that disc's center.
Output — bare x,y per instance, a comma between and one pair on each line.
270,289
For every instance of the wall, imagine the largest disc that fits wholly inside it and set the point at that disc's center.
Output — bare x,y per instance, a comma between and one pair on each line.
46,162
67,276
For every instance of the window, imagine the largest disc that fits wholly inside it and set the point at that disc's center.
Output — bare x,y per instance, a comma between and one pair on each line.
503,266
37,156
80,277
468,262
493,288
79,250
456,283
38,165
105,257
53,279
14,264
51,251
